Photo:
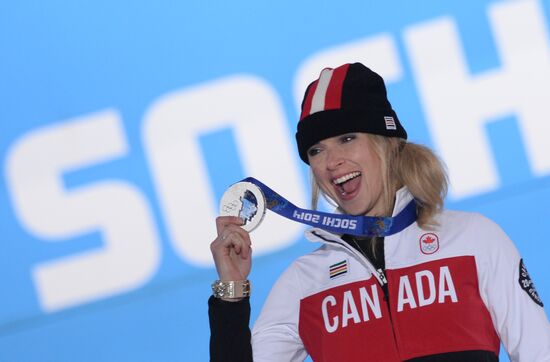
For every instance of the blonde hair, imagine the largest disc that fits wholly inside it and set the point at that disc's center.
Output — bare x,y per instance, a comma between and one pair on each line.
406,164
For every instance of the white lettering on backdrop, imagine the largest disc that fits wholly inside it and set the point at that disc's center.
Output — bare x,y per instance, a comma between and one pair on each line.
118,210
457,106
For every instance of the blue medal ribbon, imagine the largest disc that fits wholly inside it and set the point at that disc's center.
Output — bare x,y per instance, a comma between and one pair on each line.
338,223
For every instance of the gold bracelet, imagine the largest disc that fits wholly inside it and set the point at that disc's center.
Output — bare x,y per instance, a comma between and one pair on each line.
231,289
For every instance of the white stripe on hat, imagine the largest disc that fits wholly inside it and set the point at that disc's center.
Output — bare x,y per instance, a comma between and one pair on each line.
318,100
390,123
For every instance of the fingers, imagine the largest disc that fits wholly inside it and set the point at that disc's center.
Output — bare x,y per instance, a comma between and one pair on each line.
231,237
234,238
231,249
223,221
241,246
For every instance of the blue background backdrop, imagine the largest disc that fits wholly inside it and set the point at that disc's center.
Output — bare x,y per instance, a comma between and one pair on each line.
62,60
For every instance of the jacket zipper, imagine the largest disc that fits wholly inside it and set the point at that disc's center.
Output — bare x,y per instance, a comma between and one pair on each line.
385,289
382,280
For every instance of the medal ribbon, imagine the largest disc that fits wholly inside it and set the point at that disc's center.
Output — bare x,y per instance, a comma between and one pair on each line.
338,223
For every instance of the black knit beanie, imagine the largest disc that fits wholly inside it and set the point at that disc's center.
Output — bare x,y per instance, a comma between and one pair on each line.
350,98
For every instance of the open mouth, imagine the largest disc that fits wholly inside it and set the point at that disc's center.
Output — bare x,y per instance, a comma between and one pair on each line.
347,184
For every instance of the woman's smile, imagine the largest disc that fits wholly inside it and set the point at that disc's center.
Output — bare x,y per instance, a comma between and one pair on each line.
347,170
348,184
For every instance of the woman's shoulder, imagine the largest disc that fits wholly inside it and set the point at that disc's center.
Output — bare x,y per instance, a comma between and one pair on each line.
467,219
474,226
315,256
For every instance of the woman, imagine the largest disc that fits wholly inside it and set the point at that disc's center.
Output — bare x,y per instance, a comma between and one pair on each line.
446,286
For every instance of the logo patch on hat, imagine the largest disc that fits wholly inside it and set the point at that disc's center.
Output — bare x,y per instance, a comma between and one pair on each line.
429,243
390,122
526,284
338,269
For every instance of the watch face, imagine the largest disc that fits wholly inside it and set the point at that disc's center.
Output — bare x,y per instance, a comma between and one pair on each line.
245,200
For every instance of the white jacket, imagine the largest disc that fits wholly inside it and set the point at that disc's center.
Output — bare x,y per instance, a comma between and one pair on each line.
455,288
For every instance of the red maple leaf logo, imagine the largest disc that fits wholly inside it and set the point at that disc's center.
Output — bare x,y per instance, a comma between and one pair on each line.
429,240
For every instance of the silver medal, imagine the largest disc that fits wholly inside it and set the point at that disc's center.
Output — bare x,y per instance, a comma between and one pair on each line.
245,200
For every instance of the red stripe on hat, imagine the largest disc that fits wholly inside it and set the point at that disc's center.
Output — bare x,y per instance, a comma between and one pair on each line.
306,109
333,99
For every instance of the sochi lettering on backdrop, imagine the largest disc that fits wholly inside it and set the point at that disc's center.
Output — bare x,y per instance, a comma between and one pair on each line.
48,210
175,121
445,86
171,127
451,96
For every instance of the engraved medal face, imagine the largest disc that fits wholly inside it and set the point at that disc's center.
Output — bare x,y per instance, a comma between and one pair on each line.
245,200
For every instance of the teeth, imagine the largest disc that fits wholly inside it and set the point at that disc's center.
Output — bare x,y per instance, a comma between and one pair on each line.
349,176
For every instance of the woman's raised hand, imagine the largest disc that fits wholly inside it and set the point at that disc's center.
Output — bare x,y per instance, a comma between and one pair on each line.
232,249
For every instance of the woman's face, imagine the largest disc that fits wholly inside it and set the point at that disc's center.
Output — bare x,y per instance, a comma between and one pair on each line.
348,170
